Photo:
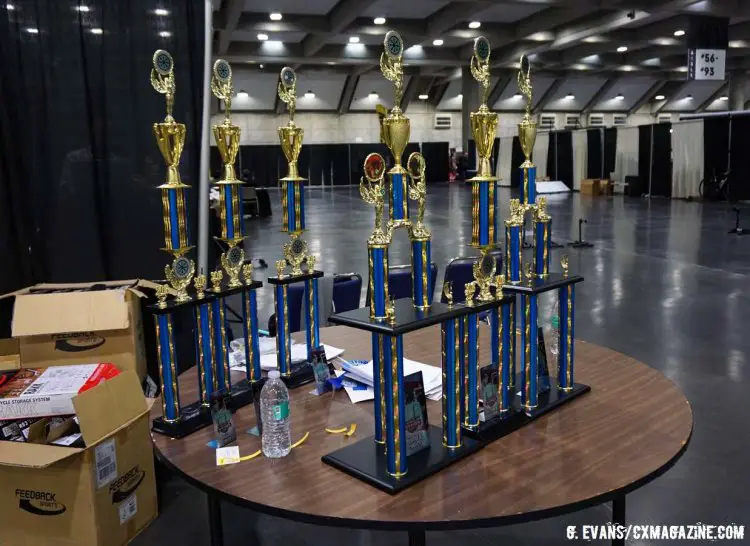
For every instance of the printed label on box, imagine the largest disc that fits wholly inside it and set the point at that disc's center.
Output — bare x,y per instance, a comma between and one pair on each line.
128,508
106,463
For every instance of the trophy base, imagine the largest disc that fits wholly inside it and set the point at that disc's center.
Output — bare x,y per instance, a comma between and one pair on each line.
366,460
518,416
193,417
242,394
539,285
300,374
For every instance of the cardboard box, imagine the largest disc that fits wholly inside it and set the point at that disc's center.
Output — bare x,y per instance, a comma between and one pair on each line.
606,186
100,495
59,324
590,186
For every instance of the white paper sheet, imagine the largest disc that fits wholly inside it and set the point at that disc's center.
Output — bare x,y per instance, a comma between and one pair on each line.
358,392
431,376
268,360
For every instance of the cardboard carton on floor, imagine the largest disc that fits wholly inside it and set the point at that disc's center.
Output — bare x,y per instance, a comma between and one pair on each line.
58,324
100,495
606,187
590,186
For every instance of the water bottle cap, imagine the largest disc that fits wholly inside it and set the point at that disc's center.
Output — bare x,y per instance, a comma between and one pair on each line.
555,321
274,374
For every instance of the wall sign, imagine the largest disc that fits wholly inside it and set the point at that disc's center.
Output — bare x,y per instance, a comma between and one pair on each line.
707,64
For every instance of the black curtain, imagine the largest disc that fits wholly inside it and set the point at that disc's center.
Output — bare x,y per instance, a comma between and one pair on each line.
81,165
610,150
495,154
594,153
565,158
472,155
340,164
739,187
436,155
552,157
516,160
644,160
715,146
661,160
266,163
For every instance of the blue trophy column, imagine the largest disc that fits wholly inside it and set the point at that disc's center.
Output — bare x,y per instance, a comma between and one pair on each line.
529,367
471,376
528,195
451,383
377,378
378,280
312,328
250,330
421,272
463,342
397,198
565,379
484,214
541,247
289,214
395,405
205,353
495,333
505,392
514,245
283,341
166,354
221,347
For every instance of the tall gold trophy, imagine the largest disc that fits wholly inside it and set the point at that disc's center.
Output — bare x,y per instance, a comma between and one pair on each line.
227,137
527,134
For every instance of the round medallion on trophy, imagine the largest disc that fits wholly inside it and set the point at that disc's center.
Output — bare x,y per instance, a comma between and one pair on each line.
416,165
487,266
222,71
163,62
394,44
235,256
482,49
299,247
374,167
181,267
288,77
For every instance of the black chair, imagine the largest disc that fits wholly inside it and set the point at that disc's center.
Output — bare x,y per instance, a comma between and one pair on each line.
295,293
347,290
459,272
399,282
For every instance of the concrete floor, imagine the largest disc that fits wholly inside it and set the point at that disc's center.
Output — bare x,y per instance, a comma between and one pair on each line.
664,284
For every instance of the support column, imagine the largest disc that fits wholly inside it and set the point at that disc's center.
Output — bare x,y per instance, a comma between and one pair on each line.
737,83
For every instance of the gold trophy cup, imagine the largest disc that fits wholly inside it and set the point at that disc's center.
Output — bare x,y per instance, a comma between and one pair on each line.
527,127
483,122
395,128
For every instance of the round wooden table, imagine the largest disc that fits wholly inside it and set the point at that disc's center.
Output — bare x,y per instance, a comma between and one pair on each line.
631,428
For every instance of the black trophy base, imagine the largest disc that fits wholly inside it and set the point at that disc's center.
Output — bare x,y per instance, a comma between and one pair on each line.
366,461
517,416
241,395
193,417
300,374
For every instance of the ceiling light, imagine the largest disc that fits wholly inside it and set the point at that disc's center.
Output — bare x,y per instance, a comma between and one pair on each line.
379,20
261,65
161,12
96,31
518,96
659,97
620,96
622,49
165,34
475,24
424,97
688,97
10,7
309,95
438,42
353,39
274,43
679,32
275,16
262,37
460,95
373,95
331,63
83,9
32,30
570,96
724,97
242,94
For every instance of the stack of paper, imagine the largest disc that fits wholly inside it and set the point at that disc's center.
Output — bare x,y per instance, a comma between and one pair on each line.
358,392
362,371
268,354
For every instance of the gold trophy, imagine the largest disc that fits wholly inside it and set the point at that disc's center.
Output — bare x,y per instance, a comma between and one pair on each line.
227,137
170,138
483,122
527,128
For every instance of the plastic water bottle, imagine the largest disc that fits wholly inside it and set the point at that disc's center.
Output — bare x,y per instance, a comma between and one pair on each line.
274,408
554,338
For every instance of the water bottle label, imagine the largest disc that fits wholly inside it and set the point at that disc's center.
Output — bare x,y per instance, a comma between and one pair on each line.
281,411
555,321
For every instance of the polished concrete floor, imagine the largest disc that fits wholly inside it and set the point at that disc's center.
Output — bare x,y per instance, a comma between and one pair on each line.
665,283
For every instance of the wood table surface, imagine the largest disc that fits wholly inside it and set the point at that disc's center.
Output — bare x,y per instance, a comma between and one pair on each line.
631,427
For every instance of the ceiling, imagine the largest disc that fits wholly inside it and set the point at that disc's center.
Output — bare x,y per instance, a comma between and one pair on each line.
573,46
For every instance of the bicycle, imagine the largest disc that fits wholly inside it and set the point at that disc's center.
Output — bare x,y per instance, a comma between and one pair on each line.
715,188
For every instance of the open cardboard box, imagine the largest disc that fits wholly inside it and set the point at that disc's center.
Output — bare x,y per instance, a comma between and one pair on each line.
83,323
103,494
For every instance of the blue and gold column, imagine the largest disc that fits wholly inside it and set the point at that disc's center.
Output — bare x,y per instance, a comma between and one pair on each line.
283,339
395,402
398,181
378,265
505,389
529,367
170,394
312,325
204,346
250,326
542,239
528,173
221,344
514,243
377,379
419,235
565,378
450,338
471,371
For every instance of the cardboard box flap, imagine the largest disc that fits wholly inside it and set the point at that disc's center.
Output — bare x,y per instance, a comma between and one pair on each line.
36,314
33,455
109,406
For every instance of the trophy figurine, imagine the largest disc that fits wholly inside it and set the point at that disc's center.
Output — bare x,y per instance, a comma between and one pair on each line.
527,134
295,250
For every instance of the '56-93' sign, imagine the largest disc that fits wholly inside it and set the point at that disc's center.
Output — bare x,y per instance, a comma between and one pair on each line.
707,64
